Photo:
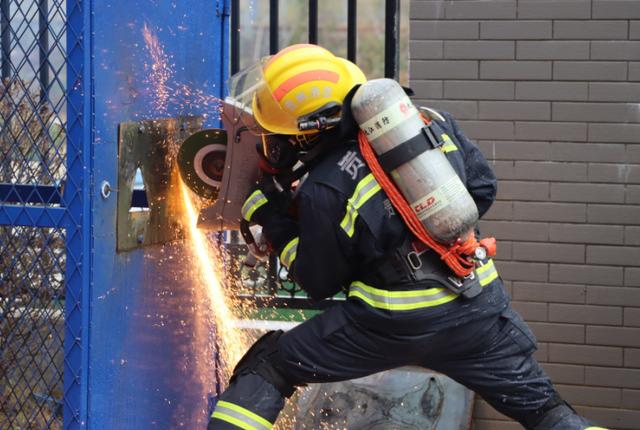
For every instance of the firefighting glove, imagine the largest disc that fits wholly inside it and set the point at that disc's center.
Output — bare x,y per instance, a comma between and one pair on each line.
268,207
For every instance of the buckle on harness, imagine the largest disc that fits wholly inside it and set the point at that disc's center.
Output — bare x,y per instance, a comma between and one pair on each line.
469,286
415,262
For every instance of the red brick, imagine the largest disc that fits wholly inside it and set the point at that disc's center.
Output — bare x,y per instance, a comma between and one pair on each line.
558,212
442,69
591,396
551,91
505,252
546,292
613,336
632,234
584,233
500,110
612,377
613,173
500,130
531,311
565,373
593,29
480,49
503,169
427,89
632,317
587,151
591,275
548,252
565,333
441,30
585,354
614,296
550,171
515,271
522,151
613,255
552,50
613,214
589,71
513,230
489,9
479,90
542,354
617,133
554,9
556,131
585,314
633,194
631,399
484,410
631,277
460,109
427,10
588,193
500,211
632,357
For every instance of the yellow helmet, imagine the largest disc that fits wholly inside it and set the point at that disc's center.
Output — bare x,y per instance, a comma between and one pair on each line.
300,80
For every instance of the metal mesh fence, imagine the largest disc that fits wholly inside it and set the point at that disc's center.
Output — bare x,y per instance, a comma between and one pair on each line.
32,97
36,229
32,264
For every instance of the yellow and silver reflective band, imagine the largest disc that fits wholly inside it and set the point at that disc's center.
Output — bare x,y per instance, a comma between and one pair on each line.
240,417
487,273
288,254
448,145
365,189
400,300
255,200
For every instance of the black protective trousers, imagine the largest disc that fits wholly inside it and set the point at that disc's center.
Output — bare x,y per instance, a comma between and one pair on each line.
491,356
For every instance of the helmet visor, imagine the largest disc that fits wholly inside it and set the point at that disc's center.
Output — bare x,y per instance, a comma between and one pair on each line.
249,91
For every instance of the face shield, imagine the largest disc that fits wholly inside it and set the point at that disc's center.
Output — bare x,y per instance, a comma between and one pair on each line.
249,90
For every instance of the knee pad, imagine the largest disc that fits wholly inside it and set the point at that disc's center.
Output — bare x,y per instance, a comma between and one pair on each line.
263,358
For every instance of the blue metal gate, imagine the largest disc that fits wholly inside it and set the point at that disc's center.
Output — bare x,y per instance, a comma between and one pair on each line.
68,81
44,236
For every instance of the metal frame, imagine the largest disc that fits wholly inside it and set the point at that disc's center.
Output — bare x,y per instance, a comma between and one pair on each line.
69,210
391,39
77,201
392,32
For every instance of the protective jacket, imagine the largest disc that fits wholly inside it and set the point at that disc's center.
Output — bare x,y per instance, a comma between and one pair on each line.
348,237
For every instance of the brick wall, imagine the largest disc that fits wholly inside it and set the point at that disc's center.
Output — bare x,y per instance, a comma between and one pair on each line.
550,91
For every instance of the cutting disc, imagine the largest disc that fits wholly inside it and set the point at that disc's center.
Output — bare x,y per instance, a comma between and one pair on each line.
201,160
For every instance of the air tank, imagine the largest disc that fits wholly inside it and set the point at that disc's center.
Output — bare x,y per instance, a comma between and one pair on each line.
428,182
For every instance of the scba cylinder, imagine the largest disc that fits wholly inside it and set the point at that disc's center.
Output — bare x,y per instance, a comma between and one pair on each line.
427,181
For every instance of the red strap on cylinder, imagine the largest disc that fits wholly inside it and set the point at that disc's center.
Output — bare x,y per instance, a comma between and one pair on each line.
455,256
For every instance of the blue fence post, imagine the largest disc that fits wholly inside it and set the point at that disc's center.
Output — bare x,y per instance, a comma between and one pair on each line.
77,200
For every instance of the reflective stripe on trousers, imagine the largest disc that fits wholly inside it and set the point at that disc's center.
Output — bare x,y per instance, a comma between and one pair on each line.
240,417
255,201
365,189
289,253
415,299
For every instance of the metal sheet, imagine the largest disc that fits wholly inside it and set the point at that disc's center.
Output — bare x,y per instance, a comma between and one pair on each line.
151,147
400,399
143,370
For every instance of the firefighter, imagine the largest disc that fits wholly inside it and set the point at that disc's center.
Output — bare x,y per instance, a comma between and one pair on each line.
346,236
